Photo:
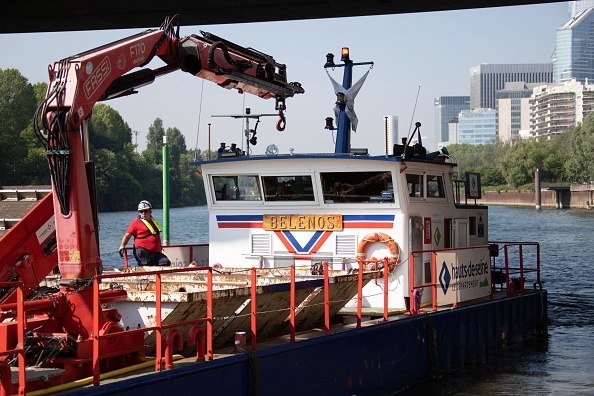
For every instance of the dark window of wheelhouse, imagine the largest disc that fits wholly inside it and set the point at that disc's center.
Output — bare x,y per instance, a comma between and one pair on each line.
348,187
288,188
435,187
236,188
414,184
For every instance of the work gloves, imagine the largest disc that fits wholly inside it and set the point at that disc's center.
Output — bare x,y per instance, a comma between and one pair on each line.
121,251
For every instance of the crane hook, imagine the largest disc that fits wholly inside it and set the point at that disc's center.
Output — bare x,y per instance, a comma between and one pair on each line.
282,122
280,106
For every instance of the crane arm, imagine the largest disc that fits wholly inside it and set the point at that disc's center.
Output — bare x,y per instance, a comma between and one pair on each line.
80,81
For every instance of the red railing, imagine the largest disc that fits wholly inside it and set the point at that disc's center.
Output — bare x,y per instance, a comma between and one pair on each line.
386,272
6,381
512,284
327,302
190,252
173,338
416,290
506,272
159,326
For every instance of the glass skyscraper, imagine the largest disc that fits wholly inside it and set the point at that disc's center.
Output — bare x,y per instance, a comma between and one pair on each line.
446,109
485,79
574,50
477,126
575,7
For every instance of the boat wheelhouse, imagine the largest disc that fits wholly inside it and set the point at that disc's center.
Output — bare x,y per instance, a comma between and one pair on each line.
281,210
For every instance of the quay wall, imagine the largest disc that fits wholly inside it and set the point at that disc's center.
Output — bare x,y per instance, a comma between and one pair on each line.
550,198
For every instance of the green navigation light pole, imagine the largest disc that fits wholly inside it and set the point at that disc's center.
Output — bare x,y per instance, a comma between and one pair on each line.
165,191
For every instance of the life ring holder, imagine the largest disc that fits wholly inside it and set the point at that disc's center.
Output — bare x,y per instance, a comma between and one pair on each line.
393,258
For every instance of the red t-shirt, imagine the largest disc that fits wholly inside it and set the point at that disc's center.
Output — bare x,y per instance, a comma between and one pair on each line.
143,237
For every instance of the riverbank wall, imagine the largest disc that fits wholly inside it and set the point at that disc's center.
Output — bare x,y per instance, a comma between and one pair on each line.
578,196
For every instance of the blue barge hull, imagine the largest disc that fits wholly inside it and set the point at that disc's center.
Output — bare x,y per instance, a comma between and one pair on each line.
373,360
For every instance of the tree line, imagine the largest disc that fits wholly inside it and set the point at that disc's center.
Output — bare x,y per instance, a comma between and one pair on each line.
563,159
124,177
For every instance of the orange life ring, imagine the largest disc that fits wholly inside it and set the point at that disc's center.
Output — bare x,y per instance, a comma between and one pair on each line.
394,257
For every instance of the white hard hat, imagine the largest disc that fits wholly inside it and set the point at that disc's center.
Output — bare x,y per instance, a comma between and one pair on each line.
144,205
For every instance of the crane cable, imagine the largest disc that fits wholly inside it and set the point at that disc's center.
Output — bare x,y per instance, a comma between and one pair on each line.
199,118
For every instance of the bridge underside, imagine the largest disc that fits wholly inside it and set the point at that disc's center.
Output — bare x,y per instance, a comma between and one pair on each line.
70,15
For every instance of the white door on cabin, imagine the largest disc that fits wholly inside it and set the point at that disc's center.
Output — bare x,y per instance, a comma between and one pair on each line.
460,232
415,238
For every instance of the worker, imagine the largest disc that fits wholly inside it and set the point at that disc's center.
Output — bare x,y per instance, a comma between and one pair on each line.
147,239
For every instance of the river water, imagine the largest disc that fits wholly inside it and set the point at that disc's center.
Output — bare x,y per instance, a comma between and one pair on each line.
561,365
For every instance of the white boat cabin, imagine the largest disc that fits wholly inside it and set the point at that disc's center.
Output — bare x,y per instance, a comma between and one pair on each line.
276,211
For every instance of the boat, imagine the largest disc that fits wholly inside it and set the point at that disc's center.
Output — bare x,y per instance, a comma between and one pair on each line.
337,273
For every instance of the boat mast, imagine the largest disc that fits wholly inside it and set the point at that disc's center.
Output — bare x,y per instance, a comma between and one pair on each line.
343,135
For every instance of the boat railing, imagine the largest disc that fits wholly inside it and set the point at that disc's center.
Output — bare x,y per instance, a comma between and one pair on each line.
180,255
203,339
5,371
295,307
514,265
514,270
458,187
416,291
460,192
173,336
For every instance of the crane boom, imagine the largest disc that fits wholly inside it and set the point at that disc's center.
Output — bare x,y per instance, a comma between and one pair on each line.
80,81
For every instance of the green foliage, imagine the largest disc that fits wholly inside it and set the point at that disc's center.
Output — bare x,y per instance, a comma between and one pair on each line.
154,142
107,129
514,164
40,90
191,182
122,176
490,176
17,105
176,148
580,165
483,159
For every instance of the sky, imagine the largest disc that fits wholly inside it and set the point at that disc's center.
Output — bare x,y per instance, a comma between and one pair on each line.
422,55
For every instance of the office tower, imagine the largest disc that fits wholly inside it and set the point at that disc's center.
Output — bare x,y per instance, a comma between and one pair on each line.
574,49
556,108
575,7
477,126
391,133
485,79
453,132
513,110
446,109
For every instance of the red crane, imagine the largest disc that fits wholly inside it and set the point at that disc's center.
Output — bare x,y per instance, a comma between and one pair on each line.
76,84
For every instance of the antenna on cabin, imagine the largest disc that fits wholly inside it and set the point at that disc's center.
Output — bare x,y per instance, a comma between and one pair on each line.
250,134
409,136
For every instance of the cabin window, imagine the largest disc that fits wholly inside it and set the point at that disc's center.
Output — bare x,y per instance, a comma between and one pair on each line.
435,187
415,185
288,188
236,188
348,187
